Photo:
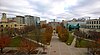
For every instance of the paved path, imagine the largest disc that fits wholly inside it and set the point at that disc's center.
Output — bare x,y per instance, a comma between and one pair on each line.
59,48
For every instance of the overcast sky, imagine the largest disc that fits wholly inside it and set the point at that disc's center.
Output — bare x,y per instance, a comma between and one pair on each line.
51,9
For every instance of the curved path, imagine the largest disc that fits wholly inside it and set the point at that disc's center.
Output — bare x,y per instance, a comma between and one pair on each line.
59,48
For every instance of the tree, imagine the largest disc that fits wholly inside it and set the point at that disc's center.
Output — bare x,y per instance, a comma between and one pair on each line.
95,46
44,25
27,46
4,41
47,35
63,33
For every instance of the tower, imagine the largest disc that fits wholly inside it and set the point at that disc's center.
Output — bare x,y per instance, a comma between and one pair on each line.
4,18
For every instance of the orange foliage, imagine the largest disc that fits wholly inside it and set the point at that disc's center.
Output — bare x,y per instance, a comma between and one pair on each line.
4,41
47,35
44,26
27,46
62,33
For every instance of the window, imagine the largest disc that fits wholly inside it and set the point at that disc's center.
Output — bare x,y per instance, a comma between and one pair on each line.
94,22
15,25
6,25
92,26
89,26
97,22
1,25
99,27
90,22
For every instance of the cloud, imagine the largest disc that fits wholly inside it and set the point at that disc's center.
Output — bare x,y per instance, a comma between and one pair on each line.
51,9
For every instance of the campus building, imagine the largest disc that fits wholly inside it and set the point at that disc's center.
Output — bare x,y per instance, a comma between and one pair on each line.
43,22
93,24
32,20
11,23
29,20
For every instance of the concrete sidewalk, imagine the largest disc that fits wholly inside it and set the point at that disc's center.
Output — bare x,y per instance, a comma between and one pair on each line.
60,48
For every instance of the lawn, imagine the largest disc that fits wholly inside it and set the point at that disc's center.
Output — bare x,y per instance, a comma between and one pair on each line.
15,42
33,36
70,39
83,43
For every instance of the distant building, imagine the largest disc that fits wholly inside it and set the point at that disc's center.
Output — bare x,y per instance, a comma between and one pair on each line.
10,22
81,24
93,24
4,18
54,24
12,18
37,21
77,20
42,22
20,19
31,20
64,23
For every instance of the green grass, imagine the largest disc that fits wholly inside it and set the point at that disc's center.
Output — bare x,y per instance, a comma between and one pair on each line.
82,44
70,39
15,42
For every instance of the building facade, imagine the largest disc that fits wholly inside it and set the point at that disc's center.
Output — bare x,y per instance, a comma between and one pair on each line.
10,23
37,21
42,22
20,19
31,20
54,24
93,24
64,23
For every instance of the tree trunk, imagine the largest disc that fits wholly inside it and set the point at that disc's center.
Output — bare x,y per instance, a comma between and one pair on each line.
29,53
1,50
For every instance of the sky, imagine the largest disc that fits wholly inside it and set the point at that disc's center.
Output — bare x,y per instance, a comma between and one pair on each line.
51,9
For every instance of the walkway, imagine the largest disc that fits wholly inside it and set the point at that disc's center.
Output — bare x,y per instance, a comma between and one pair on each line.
59,48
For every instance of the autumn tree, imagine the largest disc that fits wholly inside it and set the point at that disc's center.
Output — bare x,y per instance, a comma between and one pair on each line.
47,35
4,41
63,33
95,45
27,46
44,25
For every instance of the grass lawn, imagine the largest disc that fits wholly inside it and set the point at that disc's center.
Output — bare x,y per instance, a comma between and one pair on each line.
32,35
82,44
70,39
15,42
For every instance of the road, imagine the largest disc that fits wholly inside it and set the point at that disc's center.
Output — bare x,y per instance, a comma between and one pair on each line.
60,48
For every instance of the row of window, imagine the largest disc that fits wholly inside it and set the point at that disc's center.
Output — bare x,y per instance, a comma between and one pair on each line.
93,22
11,25
97,27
